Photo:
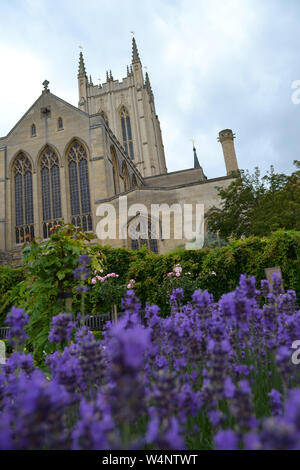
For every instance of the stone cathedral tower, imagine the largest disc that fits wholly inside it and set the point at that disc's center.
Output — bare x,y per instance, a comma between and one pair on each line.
128,109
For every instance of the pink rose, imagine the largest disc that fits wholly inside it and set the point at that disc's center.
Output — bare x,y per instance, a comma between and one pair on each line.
177,274
94,280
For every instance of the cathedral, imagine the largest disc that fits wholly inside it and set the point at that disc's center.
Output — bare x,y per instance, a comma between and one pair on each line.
63,162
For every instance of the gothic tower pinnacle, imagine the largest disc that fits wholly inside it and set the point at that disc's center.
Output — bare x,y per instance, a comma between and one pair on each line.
148,85
137,65
135,52
196,161
82,84
81,68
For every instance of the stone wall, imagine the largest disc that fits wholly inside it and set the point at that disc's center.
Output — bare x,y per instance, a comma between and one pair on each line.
5,258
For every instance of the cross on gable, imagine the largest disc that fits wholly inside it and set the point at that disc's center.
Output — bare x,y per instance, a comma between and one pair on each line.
45,84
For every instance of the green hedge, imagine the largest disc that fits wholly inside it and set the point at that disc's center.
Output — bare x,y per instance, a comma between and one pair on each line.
247,256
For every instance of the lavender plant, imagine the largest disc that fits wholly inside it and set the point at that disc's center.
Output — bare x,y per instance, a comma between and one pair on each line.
211,375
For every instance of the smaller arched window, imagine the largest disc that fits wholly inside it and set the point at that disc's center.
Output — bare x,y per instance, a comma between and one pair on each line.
126,132
60,124
141,232
33,130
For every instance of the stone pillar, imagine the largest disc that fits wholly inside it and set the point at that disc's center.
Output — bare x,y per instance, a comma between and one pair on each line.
64,193
226,137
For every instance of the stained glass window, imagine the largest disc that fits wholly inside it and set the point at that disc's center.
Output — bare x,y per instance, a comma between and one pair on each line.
79,187
33,130
126,133
23,199
51,195
60,123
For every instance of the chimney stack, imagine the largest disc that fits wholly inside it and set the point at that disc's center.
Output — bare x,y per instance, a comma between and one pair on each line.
226,137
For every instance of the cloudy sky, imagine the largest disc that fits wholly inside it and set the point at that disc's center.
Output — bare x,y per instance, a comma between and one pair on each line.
213,65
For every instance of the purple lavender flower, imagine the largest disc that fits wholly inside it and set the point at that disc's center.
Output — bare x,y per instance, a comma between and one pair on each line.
91,359
131,306
276,402
94,428
177,296
226,440
241,406
284,363
265,288
17,320
165,436
277,282
82,273
36,413
61,328
248,284
19,361
66,368
84,260
82,289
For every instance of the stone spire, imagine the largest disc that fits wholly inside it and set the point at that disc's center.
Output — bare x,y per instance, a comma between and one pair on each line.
197,165
81,68
91,81
135,52
111,76
196,161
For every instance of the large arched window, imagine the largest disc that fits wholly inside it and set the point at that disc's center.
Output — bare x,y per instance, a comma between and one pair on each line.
126,132
51,197
22,172
141,232
79,187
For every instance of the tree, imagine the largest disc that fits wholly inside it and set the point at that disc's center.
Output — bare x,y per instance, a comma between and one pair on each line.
255,205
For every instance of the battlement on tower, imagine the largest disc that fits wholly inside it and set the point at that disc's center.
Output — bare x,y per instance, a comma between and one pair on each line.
111,85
